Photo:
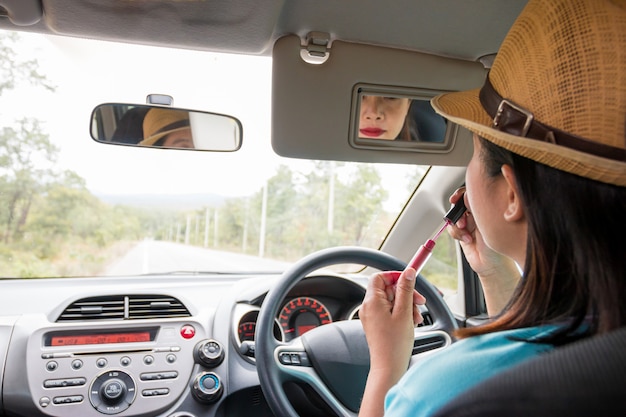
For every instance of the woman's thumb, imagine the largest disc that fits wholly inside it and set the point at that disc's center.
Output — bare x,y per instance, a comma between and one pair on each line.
404,290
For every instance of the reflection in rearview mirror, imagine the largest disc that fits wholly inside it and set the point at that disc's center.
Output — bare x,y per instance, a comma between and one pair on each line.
165,127
398,119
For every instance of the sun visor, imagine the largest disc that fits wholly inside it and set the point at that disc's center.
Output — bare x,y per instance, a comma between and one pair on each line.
316,105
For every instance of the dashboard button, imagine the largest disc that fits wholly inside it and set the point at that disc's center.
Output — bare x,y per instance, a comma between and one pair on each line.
52,366
59,383
70,399
155,376
155,392
187,331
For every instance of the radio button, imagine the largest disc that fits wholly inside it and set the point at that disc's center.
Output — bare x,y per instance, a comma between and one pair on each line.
155,392
77,364
52,366
70,399
148,359
155,376
101,362
125,361
59,383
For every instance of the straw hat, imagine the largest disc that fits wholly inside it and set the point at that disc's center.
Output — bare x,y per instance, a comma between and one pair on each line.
159,123
561,71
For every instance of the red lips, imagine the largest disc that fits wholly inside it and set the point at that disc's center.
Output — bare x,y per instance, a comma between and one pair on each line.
372,131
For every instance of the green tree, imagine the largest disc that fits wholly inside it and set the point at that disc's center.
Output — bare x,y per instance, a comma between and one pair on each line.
13,70
360,202
26,168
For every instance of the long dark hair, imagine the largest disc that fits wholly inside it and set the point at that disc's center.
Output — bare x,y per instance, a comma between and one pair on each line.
575,268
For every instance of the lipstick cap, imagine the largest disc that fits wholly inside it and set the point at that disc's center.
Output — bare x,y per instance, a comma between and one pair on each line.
455,213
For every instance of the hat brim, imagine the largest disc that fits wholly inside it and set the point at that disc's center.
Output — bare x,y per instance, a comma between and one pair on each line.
151,140
464,109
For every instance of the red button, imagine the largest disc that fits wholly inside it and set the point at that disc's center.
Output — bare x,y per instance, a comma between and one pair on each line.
187,331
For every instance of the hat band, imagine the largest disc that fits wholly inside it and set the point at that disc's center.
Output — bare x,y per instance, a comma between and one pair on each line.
510,118
172,126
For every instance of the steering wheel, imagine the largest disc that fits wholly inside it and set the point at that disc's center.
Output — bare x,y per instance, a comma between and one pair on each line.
332,359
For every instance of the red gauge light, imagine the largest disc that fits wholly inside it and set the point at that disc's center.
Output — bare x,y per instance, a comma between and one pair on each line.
302,314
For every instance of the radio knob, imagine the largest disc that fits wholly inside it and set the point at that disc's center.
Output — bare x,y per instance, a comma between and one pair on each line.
207,387
113,391
209,353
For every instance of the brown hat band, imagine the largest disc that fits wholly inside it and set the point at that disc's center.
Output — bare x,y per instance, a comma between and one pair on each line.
513,119
172,126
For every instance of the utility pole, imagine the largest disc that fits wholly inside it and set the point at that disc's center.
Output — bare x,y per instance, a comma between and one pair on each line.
263,222
206,228
331,198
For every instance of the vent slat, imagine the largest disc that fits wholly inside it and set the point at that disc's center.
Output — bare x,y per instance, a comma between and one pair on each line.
130,307
155,307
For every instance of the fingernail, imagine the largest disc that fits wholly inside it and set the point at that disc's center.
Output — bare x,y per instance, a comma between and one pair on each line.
409,274
466,238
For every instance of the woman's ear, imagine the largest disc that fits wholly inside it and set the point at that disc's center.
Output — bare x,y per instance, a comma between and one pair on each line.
514,211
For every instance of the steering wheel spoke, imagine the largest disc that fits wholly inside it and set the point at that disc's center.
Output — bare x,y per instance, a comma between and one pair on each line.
295,365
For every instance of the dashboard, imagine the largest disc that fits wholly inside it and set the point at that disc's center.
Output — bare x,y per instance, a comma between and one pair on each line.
173,346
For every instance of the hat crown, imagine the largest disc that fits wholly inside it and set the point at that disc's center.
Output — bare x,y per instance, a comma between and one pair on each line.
157,119
566,63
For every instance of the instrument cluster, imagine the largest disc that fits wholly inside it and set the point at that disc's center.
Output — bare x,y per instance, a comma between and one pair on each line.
314,302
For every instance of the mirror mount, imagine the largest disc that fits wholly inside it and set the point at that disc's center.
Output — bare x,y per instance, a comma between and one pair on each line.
160,99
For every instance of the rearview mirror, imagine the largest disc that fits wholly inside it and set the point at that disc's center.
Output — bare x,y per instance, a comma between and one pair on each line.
164,127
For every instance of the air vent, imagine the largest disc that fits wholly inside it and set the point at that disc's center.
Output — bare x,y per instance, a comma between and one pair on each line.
124,307
95,308
155,307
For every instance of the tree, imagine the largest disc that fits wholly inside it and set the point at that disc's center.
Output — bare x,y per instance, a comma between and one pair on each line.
360,200
26,168
13,70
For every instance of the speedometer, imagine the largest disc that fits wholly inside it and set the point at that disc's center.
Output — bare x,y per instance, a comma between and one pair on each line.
302,314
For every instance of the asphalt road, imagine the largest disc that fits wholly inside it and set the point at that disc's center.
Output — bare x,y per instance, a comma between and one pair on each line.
150,256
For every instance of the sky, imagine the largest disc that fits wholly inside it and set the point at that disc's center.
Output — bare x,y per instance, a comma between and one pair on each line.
88,73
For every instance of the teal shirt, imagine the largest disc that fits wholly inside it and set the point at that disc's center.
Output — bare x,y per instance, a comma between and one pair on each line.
440,377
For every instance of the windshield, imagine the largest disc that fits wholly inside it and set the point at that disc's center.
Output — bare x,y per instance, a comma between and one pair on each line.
74,207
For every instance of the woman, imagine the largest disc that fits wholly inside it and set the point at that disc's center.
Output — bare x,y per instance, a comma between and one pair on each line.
385,118
545,188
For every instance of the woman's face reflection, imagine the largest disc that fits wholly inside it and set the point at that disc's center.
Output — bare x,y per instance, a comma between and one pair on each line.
382,117
179,139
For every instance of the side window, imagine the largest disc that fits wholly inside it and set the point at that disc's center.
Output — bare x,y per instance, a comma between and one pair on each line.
442,268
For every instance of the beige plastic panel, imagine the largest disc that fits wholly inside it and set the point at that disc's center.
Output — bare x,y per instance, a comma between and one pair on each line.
311,104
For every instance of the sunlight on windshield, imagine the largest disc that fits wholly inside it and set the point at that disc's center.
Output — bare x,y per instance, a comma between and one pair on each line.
73,207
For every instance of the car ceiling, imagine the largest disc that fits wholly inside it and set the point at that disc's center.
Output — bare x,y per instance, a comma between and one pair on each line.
253,26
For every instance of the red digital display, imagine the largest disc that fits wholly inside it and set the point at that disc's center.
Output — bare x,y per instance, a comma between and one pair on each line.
98,338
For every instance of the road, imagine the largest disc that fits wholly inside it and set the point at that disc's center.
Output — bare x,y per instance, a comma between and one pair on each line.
150,256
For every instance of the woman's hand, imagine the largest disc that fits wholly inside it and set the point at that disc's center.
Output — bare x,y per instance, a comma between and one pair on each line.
389,315
498,274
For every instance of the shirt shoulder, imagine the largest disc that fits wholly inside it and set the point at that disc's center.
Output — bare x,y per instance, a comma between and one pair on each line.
440,377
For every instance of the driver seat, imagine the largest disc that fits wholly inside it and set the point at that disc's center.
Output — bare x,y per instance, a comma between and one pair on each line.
584,378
